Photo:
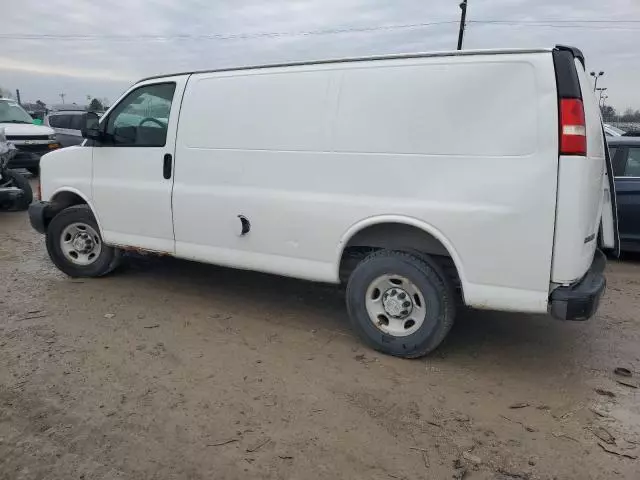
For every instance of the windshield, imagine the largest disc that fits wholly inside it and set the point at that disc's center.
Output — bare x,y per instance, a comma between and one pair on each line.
11,112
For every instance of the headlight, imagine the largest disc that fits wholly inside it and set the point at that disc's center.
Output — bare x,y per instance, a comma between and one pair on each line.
52,137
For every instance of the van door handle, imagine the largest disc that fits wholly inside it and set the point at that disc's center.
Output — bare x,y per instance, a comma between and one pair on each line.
166,166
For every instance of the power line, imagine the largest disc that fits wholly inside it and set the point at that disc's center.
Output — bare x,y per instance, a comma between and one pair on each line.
558,21
555,25
215,36
617,25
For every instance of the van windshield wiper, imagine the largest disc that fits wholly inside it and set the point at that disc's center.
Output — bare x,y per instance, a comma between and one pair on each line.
15,121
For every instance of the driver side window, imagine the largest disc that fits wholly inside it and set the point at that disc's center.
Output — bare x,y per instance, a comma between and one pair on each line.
142,117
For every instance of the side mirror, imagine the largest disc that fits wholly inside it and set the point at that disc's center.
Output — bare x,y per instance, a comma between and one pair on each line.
91,128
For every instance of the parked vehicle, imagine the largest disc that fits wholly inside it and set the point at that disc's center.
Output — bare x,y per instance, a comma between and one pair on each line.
632,133
68,126
611,131
354,171
32,141
15,190
625,152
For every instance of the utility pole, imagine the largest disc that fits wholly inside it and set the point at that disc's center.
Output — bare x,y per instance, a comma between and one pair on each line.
463,19
62,95
18,96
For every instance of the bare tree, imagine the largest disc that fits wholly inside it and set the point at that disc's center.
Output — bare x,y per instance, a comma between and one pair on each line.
4,93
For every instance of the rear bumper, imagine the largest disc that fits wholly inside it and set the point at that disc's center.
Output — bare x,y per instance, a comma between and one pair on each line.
37,216
581,301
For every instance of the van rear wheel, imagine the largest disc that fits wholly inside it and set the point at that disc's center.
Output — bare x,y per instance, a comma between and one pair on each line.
400,304
75,245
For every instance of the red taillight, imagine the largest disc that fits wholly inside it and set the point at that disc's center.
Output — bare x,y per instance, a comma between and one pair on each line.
573,130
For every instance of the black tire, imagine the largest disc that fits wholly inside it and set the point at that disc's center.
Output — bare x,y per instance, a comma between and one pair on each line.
35,171
433,285
108,258
20,181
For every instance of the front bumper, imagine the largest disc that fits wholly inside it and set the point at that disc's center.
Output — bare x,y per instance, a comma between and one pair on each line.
26,159
38,217
580,301
28,156
10,194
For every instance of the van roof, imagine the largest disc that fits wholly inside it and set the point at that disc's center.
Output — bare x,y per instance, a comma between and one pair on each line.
66,112
67,107
620,141
393,56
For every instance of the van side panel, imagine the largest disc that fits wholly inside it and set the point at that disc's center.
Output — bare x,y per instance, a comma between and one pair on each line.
379,115
580,196
466,146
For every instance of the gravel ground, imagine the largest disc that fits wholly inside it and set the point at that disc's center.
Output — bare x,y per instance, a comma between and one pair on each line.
175,370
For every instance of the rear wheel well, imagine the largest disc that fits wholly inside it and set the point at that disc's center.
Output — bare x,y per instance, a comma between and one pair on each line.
397,237
59,202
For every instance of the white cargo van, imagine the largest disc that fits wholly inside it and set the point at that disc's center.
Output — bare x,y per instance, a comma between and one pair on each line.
422,181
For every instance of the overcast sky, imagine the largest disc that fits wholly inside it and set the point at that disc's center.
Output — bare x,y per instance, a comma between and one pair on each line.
43,53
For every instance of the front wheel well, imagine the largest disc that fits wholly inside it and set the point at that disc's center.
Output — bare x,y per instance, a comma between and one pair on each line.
398,237
61,201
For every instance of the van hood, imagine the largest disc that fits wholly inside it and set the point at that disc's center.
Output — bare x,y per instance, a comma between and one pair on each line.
25,129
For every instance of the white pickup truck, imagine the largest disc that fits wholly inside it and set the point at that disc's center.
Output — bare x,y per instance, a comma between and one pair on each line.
422,181
31,141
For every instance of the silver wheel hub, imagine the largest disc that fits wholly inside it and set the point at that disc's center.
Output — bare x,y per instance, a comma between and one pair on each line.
80,243
395,305
83,243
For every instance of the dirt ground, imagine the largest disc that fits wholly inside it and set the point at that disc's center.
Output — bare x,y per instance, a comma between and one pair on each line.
175,370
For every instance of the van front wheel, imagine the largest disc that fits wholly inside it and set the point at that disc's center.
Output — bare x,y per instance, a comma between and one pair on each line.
400,304
75,245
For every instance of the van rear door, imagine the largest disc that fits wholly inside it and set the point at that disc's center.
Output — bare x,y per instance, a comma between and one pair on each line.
585,207
609,239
